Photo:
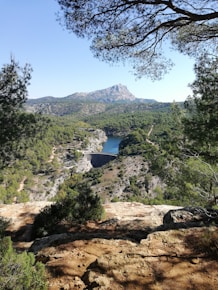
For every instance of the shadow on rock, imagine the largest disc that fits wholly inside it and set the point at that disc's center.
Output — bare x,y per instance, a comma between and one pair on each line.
188,217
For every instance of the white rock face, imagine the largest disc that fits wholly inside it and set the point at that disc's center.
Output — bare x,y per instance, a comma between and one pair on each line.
45,189
95,142
151,215
95,145
84,165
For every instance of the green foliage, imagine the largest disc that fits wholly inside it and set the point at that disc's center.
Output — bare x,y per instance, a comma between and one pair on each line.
18,130
4,223
19,271
32,156
123,119
13,123
134,186
69,187
136,30
75,208
115,199
201,119
94,175
188,178
179,145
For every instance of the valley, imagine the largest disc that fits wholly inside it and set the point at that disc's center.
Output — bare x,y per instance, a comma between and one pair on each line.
152,202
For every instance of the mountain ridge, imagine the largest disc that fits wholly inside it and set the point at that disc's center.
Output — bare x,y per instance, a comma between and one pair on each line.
115,93
114,99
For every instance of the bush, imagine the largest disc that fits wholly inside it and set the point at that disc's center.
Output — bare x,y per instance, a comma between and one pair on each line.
115,199
19,271
4,223
73,209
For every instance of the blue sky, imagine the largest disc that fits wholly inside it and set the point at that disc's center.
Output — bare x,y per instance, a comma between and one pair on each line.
63,64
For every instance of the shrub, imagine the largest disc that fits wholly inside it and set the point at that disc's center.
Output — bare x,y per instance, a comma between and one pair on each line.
4,223
19,271
73,209
115,199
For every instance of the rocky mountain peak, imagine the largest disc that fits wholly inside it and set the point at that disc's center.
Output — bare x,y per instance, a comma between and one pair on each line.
121,92
116,93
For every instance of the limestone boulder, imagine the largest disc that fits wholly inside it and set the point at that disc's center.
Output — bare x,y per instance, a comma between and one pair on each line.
191,216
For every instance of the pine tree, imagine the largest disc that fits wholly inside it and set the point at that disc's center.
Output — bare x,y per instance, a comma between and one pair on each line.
202,118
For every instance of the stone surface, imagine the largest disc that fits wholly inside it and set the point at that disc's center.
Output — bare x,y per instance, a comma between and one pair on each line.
191,215
130,249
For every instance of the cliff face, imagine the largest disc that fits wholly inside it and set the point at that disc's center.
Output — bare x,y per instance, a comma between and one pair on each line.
46,186
115,181
115,93
85,104
130,249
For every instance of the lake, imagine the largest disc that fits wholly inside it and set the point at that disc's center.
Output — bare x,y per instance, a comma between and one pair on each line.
112,145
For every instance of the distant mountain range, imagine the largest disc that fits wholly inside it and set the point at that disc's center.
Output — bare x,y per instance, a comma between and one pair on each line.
115,99
116,93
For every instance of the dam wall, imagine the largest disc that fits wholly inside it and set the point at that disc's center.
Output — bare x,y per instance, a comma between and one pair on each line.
100,159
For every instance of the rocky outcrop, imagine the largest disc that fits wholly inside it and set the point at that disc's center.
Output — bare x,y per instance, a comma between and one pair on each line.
45,186
94,145
125,251
82,103
116,180
115,93
95,141
190,216
164,260
121,220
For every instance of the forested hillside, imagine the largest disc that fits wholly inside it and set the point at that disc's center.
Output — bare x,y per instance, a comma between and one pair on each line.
177,166
85,107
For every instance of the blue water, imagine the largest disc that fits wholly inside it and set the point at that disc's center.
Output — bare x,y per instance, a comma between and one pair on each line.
112,145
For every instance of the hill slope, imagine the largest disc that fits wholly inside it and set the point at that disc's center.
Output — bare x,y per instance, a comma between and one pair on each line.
115,93
85,104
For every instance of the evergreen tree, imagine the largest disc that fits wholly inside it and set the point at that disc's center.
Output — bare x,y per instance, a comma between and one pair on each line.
75,208
13,93
202,117
19,271
15,124
136,30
